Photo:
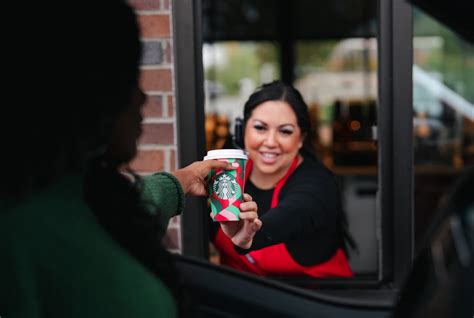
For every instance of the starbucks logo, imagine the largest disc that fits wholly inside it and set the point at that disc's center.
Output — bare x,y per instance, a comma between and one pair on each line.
225,186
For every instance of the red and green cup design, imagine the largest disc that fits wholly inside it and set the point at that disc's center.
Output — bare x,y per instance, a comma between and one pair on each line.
226,190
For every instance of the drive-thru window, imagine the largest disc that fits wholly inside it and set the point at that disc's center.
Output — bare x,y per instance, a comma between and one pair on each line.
390,89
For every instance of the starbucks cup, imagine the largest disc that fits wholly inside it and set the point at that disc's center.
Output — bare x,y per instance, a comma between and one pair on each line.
226,187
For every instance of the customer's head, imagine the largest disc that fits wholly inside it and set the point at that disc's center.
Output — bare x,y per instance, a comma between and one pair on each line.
276,127
70,89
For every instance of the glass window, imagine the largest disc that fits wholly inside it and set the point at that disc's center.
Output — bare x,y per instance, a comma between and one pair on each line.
443,113
338,80
331,51
232,71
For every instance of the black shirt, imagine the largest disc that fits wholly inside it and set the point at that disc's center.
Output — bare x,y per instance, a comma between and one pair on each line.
307,218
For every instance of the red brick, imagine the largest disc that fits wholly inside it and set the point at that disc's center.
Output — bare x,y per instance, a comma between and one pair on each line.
156,80
145,4
161,133
170,106
148,161
171,239
154,25
153,106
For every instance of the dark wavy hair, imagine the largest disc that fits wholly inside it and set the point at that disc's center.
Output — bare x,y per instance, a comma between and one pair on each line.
279,91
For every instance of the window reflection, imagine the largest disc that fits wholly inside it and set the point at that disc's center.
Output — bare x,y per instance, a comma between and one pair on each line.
232,72
443,111
338,79
331,52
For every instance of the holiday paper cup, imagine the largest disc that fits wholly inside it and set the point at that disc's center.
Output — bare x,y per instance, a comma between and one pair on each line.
226,187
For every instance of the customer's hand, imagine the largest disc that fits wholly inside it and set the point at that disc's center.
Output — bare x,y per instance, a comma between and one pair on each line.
242,232
193,177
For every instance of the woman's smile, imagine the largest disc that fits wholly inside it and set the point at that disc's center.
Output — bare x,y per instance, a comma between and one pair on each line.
268,157
272,139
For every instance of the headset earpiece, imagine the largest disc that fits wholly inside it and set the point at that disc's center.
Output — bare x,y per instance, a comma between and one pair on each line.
238,133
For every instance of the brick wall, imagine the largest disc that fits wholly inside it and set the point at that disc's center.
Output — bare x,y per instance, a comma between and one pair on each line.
158,144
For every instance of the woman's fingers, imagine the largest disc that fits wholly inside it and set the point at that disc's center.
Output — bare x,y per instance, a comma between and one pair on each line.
255,225
258,223
248,206
249,216
218,164
202,168
247,197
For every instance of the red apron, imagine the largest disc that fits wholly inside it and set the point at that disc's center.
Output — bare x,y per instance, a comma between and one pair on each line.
275,259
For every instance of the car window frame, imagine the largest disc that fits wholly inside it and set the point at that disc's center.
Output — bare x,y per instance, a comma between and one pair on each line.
394,131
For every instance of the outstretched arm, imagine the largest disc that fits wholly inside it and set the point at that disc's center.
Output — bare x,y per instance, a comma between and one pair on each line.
193,177
193,181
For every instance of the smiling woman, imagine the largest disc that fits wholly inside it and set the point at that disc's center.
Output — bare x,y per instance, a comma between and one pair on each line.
304,228
273,139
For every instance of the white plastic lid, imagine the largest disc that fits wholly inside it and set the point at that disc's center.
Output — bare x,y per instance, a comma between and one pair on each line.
225,154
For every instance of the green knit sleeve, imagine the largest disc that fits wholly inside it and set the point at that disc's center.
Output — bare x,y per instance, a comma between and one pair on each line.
162,192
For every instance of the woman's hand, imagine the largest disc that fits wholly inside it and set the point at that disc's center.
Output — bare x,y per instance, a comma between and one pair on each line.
242,232
193,177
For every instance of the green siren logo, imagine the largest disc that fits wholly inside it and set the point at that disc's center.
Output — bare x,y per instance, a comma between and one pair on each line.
225,186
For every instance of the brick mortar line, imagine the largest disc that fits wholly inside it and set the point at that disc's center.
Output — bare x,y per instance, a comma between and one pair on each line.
166,159
154,147
160,39
154,119
164,107
156,38
154,12
157,93
171,44
171,24
157,120
173,88
164,66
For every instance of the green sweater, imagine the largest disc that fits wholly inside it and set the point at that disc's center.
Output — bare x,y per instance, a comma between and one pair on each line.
57,261
164,192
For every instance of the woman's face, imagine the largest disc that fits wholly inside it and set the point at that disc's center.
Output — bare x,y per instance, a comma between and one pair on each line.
272,138
127,130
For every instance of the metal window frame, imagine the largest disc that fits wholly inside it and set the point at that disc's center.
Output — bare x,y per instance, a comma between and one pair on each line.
189,97
395,128
395,198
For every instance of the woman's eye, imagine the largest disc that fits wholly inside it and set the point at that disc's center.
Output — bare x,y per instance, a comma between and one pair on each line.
259,127
286,131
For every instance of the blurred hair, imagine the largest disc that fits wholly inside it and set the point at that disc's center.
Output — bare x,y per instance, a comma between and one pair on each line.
75,66
79,77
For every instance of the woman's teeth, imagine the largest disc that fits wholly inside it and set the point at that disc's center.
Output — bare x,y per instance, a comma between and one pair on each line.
269,155
268,158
